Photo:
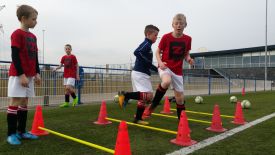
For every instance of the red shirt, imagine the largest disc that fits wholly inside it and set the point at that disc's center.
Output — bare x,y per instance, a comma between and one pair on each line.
69,62
27,44
174,50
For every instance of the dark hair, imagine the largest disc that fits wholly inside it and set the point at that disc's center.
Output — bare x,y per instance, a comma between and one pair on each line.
25,11
69,45
150,29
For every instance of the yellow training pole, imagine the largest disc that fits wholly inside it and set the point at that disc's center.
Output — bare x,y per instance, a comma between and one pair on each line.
144,126
79,141
203,113
194,120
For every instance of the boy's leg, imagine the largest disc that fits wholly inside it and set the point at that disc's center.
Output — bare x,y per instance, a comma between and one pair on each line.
12,122
75,99
160,92
126,96
22,115
179,102
139,112
67,97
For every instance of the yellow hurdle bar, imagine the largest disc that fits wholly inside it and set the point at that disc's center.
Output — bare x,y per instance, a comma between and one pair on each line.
144,126
79,141
193,120
203,113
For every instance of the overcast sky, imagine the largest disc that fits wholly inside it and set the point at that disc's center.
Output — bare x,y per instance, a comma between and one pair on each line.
108,31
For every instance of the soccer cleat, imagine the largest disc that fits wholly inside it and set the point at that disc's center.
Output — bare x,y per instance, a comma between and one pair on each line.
122,100
26,135
141,122
75,101
13,140
65,104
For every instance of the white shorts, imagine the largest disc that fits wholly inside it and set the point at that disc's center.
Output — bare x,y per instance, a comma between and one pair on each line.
69,81
176,80
15,89
141,82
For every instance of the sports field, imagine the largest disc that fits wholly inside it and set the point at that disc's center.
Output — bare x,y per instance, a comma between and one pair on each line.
78,122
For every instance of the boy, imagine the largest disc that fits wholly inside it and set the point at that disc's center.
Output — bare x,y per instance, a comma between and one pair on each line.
141,82
71,73
172,49
24,71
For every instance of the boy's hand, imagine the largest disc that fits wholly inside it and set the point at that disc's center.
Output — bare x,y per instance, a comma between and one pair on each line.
162,65
191,61
37,79
24,81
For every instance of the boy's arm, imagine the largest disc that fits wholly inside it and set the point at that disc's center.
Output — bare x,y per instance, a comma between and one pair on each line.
189,59
17,64
162,65
77,72
61,65
37,78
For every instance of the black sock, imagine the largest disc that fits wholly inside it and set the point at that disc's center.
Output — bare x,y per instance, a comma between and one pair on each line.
160,92
73,95
132,95
12,119
67,98
22,115
180,107
140,110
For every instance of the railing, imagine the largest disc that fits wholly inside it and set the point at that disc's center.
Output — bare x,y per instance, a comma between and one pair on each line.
99,84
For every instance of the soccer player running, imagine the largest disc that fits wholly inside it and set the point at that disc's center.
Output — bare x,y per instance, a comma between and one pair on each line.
173,48
142,87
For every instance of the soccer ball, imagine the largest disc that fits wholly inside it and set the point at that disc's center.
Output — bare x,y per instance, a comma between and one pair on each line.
198,100
233,99
116,98
245,104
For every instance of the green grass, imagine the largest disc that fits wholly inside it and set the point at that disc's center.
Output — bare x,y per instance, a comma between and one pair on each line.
78,122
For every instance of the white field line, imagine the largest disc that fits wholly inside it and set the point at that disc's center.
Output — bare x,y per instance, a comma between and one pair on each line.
211,140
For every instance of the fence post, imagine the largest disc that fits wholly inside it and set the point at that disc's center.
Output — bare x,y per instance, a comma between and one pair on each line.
209,84
244,84
229,85
255,85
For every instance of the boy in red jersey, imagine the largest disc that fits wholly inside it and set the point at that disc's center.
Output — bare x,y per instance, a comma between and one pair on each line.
173,48
24,71
71,73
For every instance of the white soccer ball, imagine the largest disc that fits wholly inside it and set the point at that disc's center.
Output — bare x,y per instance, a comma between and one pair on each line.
245,104
198,100
233,99
116,97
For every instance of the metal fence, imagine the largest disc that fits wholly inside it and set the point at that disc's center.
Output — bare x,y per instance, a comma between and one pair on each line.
98,83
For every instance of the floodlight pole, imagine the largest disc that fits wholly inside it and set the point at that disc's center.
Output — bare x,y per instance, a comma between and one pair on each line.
43,46
265,75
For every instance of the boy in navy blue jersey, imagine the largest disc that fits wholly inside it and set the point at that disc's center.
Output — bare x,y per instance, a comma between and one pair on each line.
142,87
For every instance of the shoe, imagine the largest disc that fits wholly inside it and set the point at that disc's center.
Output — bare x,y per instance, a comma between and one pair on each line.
122,100
13,140
65,104
141,122
75,101
26,135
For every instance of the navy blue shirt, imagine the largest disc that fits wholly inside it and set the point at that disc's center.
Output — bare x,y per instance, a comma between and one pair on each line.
144,58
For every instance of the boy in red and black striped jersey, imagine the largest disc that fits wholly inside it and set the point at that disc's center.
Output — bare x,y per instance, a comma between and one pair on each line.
173,48
71,73
24,72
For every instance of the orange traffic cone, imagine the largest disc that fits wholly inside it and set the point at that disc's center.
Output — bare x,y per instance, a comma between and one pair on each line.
38,122
183,137
243,91
102,115
239,119
216,125
166,107
122,142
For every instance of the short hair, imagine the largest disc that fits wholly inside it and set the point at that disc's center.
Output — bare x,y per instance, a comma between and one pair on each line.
25,11
150,29
69,45
180,17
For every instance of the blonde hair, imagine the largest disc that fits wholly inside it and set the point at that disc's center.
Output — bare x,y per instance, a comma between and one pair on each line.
180,17
25,11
